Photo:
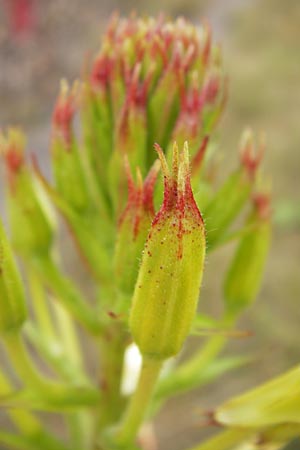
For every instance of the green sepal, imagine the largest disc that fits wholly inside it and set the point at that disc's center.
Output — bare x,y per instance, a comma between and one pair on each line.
97,122
243,278
133,229
31,229
225,206
69,175
12,295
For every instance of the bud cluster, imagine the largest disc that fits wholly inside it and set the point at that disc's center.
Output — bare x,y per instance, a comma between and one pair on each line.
135,218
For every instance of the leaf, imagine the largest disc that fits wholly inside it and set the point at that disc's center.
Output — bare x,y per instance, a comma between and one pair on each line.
274,402
58,399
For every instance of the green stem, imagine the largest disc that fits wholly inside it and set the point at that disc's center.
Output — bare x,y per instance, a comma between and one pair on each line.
67,294
40,306
69,336
227,440
56,356
184,377
139,402
23,364
112,347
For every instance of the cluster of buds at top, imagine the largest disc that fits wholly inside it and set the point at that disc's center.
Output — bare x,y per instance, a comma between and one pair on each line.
152,81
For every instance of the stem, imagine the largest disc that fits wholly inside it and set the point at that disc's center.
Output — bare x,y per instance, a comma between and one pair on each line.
67,294
41,308
23,364
183,378
137,407
69,336
112,347
227,440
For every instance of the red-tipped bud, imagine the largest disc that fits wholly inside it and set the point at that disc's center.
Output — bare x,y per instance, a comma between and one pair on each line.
166,292
251,158
133,229
63,113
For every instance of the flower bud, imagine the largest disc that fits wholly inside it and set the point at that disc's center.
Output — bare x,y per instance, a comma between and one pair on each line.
228,202
12,297
133,229
244,276
131,137
167,289
66,163
30,226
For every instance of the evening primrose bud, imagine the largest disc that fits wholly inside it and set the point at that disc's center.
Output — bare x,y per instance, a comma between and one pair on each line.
31,228
12,297
167,288
244,276
67,166
133,228
233,195
130,137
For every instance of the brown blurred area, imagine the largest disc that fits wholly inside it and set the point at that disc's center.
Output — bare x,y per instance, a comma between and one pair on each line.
261,47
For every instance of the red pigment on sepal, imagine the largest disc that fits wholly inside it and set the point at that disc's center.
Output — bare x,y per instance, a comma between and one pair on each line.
262,205
12,147
14,159
63,114
136,97
251,158
140,196
102,71
178,199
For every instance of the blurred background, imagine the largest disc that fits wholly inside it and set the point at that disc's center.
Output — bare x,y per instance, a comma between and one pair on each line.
42,41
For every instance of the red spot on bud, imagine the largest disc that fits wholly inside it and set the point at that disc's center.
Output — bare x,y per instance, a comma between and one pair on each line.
251,158
140,197
102,71
63,114
178,195
262,204
14,159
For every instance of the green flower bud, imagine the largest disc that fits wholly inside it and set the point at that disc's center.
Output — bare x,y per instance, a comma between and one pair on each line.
167,289
12,297
228,202
30,225
130,138
133,229
244,276
67,166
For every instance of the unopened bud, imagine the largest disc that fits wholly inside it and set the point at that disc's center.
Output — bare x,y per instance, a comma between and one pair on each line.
12,297
30,226
244,276
66,163
167,289
229,200
134,226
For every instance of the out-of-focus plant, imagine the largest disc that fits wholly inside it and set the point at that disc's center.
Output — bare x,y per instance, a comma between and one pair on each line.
135,219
